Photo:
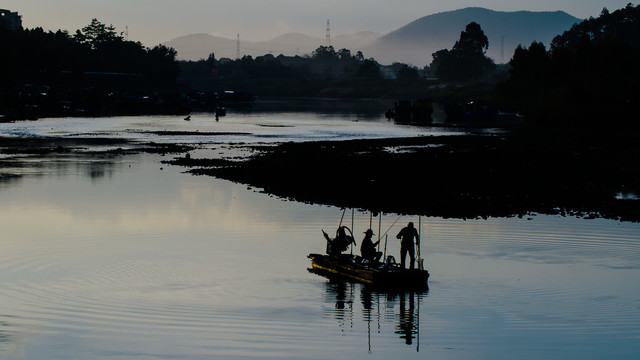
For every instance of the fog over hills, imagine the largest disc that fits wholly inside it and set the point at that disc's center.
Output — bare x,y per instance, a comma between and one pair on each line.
199,46
413,43
418,40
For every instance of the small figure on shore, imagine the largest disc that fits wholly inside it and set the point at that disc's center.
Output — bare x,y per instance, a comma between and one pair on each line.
368,248
406,245
340,243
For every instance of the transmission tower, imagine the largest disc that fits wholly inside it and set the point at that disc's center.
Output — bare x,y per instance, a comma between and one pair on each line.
238,47
328,36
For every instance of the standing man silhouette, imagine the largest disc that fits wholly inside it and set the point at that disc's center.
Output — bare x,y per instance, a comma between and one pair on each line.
407,234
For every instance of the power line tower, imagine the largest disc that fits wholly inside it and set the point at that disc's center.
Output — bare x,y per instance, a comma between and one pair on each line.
238,47
328,36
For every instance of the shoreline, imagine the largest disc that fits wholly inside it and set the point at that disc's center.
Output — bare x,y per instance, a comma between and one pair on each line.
467,176
452,176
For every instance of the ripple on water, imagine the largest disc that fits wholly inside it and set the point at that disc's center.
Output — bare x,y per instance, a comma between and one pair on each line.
154,299
543,239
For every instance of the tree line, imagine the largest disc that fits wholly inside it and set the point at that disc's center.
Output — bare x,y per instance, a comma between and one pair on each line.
326,70
57,73
587,76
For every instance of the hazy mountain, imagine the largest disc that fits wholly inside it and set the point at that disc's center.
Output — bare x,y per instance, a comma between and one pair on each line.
199,46
415,42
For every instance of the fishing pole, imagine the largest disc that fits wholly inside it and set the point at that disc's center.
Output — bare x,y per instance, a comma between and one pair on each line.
385,233
342,217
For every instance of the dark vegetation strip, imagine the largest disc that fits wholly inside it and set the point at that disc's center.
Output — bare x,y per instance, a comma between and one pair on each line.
458,176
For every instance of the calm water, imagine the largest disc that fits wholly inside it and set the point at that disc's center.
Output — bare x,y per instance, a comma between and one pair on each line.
128,258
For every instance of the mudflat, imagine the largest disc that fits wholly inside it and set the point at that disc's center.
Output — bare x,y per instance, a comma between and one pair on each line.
588,174
561,172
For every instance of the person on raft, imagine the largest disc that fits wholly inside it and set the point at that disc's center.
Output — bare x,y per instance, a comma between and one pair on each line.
368,248
340,243
406,245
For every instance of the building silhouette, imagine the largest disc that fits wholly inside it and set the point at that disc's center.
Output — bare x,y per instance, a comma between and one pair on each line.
10,20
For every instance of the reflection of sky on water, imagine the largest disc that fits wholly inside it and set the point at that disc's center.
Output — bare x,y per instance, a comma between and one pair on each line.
144,255
235,127
129,251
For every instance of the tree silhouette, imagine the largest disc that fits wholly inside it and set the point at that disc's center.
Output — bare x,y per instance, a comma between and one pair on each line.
369,69
408,73
589,77
467,59
96,34
95,70
623,24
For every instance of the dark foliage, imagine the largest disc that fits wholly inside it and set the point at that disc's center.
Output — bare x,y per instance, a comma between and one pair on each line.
589,77
95,71
622,24
467,59
326,72
468,176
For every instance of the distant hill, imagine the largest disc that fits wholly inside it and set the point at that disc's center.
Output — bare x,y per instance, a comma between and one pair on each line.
413,43
199,46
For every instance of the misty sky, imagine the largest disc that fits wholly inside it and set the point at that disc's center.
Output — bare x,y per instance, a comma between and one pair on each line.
156,21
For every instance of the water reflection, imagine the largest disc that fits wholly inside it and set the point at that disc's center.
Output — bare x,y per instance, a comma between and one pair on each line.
117,250
90,166
360,108
407,324
9,179
359,302
4,337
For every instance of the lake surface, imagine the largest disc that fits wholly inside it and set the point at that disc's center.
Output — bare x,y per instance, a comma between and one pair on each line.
128,258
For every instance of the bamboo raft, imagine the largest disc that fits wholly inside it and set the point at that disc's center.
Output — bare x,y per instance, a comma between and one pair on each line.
353,267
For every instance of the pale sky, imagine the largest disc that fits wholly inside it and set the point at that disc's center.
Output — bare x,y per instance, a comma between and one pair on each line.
156,21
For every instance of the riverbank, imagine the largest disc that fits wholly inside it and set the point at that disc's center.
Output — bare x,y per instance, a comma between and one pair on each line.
561,172
467,176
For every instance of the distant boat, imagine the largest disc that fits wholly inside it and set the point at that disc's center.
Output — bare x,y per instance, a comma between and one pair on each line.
411,112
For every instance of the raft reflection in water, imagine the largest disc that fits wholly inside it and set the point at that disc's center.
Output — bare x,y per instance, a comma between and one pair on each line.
379,309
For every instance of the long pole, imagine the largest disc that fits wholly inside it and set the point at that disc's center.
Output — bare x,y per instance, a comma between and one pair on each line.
420,260
419,233
418,324
385,247
379,228
352,229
